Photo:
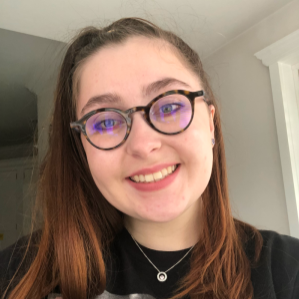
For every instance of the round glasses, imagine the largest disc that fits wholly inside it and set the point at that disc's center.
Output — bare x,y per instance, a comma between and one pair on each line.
169,113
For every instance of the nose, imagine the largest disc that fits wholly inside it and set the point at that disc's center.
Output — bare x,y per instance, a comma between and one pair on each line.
143,140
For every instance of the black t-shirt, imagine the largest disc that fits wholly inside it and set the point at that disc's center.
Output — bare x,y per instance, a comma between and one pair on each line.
131,275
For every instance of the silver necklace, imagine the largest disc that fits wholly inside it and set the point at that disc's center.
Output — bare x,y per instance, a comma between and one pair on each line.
162,276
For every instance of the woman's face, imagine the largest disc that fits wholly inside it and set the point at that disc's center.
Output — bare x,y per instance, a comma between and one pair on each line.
126,71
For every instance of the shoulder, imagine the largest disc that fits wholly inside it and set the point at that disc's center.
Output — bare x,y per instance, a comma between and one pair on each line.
11,258
280,251
278,267
280,244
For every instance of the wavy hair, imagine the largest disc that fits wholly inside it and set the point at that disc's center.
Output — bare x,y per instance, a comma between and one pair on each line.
79,223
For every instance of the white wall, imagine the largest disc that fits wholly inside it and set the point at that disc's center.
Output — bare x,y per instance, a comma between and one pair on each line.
43,84
242,84
45,105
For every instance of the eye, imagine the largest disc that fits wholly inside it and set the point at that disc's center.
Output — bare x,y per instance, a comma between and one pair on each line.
169,108
106,124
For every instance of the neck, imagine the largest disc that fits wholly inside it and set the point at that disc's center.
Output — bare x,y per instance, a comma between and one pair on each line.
177,234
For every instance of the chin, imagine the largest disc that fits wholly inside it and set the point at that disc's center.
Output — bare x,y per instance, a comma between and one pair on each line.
160,216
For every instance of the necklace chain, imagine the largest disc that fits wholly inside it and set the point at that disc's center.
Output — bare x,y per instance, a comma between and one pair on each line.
154,264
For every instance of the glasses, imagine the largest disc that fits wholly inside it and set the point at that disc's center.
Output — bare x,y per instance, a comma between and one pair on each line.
169,113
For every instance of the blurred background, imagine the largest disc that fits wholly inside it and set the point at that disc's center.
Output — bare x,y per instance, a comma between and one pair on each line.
250,50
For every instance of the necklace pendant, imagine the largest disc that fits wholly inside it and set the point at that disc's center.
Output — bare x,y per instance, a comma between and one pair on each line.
162,276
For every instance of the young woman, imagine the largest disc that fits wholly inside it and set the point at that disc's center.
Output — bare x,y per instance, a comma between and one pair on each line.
134,187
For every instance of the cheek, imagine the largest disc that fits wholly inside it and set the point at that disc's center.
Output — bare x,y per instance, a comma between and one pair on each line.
97,164
200,152
104,169
194,142
90,153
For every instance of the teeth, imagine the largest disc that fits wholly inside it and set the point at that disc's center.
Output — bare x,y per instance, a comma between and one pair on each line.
157,176
136,178
164,172
149,178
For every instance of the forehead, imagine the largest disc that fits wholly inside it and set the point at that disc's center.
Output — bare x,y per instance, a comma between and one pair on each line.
124,69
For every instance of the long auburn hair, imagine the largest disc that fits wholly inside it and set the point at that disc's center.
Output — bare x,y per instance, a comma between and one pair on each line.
79,223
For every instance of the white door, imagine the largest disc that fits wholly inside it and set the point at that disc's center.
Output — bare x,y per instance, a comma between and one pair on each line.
9,193
29,193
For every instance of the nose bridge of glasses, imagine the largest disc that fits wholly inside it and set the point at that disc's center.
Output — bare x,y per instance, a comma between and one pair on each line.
144,114
141,109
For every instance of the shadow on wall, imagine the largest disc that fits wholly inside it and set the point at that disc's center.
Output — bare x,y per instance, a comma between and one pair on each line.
27,77
18,122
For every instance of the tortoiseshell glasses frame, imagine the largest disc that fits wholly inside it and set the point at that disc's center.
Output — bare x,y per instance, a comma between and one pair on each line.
80,125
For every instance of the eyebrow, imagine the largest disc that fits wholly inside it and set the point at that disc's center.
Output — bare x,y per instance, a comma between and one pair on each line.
158,85
146,91
101,99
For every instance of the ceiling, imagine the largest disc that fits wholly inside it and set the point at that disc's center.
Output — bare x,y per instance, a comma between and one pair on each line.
205,24
33,35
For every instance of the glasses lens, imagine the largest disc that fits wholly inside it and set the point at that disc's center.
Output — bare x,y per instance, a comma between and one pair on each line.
171,114
106,129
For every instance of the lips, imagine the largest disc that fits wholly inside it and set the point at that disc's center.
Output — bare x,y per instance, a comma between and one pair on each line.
152,170
155,185
154,177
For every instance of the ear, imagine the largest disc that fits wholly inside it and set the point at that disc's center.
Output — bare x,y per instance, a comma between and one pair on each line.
212,113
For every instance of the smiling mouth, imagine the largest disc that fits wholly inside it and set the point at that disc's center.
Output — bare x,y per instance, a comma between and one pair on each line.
154,177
